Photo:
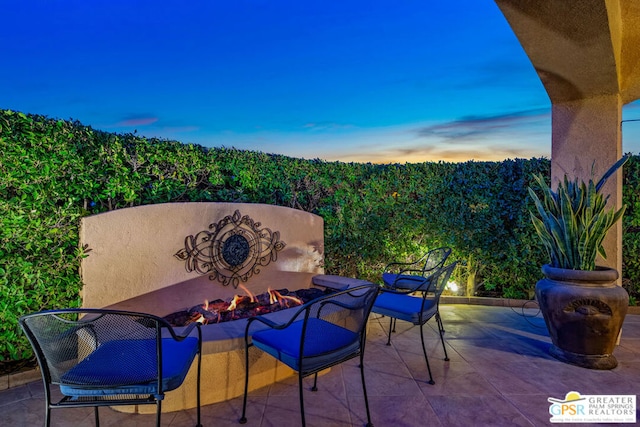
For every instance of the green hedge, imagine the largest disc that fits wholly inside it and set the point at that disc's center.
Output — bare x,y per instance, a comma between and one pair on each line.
631,229
54,172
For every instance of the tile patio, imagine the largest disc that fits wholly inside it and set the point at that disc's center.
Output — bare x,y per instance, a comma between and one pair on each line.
500,374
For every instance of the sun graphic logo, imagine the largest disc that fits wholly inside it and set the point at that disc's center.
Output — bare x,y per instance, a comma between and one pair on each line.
572,405
577,408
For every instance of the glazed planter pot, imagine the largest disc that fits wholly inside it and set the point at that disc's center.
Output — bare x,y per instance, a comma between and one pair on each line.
584,311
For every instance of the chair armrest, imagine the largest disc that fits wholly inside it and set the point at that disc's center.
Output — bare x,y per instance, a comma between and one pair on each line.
186,332
397,291
402,266
336,303
302,309
410,282
267,322
392,265
407,271
339,304
270,323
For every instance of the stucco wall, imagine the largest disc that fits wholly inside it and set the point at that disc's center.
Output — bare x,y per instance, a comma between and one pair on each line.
132,250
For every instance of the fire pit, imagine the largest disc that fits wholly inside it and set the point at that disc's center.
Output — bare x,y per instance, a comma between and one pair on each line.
164,258
243,306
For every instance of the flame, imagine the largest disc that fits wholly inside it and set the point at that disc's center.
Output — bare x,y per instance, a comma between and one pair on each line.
215,313
249,294
294,300
283,300
273,298
234,303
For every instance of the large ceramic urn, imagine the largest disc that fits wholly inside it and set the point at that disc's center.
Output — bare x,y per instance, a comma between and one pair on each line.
584,311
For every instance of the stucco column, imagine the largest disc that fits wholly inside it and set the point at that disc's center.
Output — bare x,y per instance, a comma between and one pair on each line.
586,136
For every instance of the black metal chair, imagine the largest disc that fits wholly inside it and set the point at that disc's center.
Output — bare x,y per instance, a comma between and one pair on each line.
407,275
102,357
405,305
322,333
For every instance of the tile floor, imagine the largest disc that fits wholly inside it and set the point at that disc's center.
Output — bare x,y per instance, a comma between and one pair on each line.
500,374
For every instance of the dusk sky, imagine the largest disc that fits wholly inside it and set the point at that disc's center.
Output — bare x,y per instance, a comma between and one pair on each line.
349,80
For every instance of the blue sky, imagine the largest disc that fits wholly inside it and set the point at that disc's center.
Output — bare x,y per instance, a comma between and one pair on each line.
350,80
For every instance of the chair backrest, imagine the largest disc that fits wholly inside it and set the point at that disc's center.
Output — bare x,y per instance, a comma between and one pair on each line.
440,279
348,309
434,259
62,339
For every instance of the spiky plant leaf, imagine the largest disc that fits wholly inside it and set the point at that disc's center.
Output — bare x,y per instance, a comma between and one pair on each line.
573,221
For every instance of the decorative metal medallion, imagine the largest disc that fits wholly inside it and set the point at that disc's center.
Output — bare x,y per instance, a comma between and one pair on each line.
233,251
588,307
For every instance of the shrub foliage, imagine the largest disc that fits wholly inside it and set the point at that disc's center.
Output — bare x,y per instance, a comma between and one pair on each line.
54,172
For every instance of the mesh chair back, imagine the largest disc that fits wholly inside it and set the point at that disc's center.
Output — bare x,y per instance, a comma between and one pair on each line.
440,280
416,275
435,259
63,339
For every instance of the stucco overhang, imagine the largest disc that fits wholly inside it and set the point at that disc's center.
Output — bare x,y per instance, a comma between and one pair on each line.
580,49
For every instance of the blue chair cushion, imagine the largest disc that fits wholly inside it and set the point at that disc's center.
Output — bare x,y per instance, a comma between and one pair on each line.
128,367
405,281
325,343
404,307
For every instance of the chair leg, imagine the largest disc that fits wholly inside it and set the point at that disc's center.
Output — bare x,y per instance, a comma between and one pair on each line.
95,411
315,382
426,358
364,389
440,325
243,419
47,416
47,399
441,330
390,327
301,399
198,390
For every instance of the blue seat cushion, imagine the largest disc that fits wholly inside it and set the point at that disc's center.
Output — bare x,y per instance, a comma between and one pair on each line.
325,343
405,281
129,366
404,307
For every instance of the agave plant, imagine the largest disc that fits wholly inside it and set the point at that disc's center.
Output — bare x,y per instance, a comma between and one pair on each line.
573,221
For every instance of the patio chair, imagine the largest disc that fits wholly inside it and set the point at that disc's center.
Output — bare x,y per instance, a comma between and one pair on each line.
102,357
403,304
408,275
322,333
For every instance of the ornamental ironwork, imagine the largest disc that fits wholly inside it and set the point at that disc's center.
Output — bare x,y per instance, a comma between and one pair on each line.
232,250
588,307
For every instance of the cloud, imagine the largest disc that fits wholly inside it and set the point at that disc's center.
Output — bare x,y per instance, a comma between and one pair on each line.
501,147
522,134
326,126
138,120
477,127
428,152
